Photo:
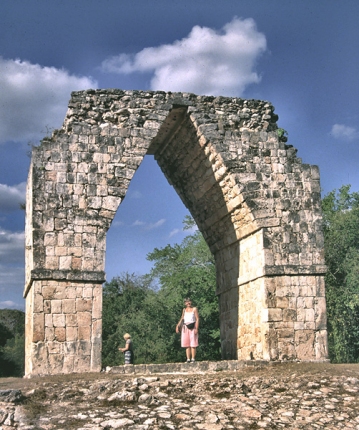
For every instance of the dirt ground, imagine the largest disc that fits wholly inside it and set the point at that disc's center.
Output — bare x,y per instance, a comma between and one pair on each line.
277,370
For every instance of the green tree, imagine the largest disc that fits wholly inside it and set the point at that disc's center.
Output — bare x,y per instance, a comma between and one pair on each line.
12,342
341,237
12,354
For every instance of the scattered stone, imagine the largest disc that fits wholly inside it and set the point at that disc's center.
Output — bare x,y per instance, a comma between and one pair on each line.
292,395
10,396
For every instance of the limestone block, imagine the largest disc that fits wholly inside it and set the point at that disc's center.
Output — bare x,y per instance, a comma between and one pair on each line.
70,348
97,303
50,239
94,202
84,347
76,262
47,308
309,315
275,314
60,334
84,333
83,319
54,347
87,264
289,315
60,251
71,320
68,363
299,325
71,333
49,224
58,320
51,263
305,302
56,363
50,251
305,344
60,291
83,304
38,303
40,354
320,286
321,342
79,291
96,355
282,302
70,293
68,306
38,327
87,292
49,333
56,306
286,350
48,320
309,325
285,333
320,313
82,363
60,224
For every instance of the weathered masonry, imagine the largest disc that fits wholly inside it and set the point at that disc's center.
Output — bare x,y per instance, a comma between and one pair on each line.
256,204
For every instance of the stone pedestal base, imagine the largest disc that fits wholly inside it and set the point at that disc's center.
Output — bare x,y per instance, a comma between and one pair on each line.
63,327
282,318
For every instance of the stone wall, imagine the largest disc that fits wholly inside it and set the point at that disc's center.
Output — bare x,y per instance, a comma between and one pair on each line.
256,204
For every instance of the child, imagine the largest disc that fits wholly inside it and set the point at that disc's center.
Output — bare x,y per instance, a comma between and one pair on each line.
128,349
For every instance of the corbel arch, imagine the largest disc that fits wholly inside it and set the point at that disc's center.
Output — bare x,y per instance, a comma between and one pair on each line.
256,204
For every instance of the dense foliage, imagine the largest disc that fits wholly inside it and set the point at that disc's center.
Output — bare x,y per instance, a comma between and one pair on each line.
149,307
12,342
341,236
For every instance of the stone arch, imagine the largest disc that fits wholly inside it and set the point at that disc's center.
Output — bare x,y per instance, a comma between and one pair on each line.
256,204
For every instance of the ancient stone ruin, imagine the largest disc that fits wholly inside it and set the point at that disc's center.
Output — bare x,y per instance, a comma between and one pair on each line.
256,204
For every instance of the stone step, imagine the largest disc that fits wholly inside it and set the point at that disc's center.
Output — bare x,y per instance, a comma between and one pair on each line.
196,367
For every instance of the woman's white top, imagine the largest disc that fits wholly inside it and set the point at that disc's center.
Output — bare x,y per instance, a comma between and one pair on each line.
189,317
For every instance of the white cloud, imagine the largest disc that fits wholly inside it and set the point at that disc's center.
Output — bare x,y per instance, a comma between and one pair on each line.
11,247
12,196
149,226
9,304
118,223
341,131
33,98
138,223
205,62
156,224
174,232
135,195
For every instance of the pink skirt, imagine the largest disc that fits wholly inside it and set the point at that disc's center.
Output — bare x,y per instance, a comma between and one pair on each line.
189,338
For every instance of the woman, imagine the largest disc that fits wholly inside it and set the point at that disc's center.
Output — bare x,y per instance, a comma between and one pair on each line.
189,333
128,349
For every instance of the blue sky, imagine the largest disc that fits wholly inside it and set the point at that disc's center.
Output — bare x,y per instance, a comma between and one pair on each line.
302,56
